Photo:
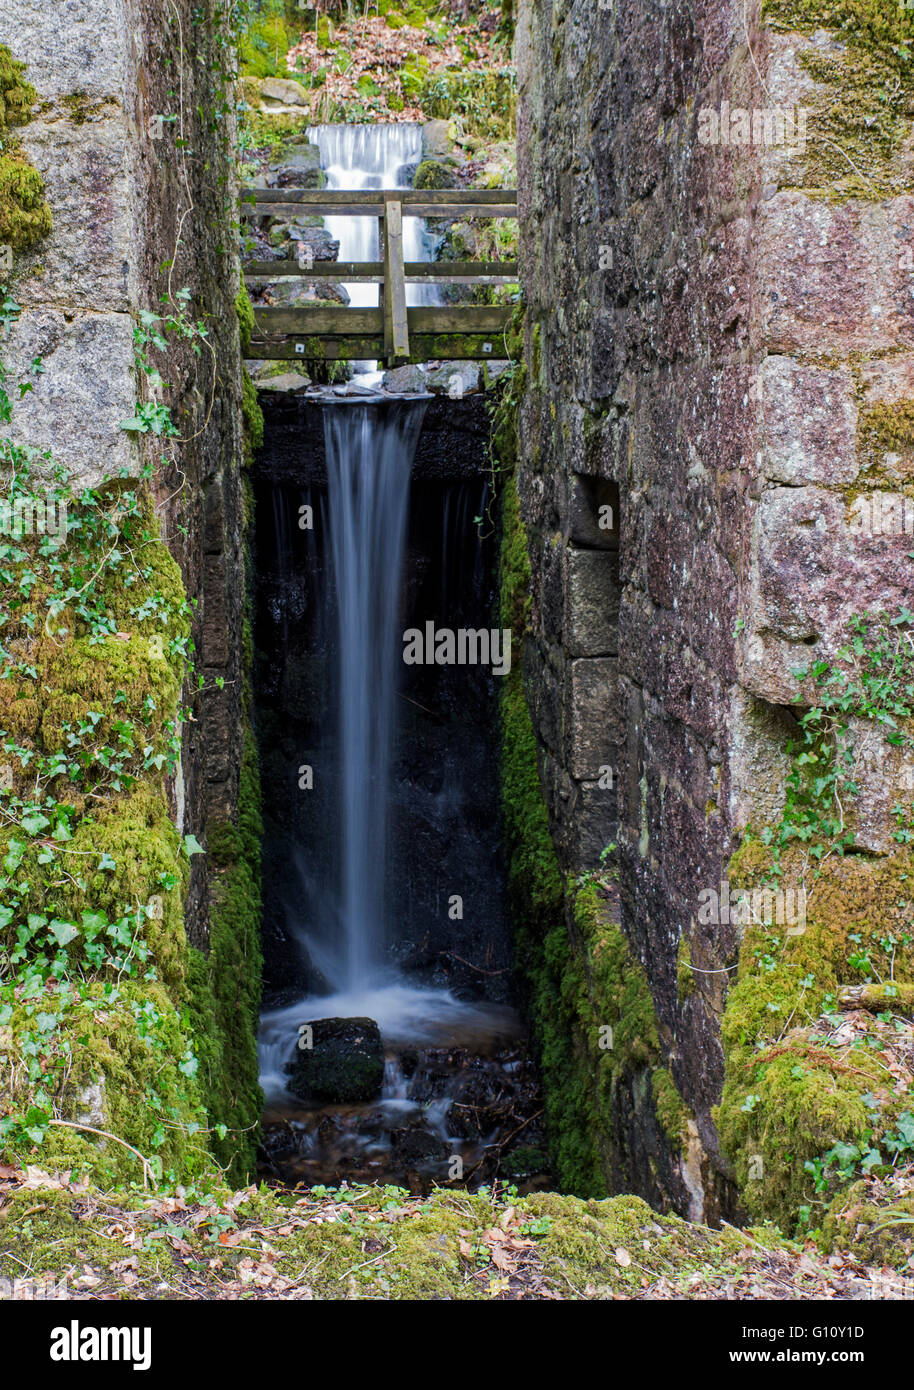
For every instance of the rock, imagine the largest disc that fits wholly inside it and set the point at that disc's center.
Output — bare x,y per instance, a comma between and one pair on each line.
290,291
292,382
414,1146
406,174
435,138
344,1063
491,371
283,91
454,379
435,173
87,387
402,380
324,247
356,388
299,166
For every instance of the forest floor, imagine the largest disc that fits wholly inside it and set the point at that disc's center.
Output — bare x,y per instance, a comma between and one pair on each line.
381,1243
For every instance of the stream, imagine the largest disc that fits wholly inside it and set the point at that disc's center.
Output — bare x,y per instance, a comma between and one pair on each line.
372,1065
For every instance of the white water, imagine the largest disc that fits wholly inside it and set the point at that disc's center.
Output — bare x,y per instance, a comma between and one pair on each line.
369,459
360,157
364,157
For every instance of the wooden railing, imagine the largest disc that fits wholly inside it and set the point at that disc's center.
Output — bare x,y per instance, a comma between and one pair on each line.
392,331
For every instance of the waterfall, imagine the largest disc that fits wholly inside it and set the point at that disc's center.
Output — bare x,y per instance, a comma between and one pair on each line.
361,157
370,452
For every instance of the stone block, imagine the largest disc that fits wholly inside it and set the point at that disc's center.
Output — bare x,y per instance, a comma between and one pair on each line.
593,717
809,422
591,602
88,387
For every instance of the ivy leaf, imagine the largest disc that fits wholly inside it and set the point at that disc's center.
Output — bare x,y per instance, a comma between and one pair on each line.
106,862
35,822
63,932
192,846
13,858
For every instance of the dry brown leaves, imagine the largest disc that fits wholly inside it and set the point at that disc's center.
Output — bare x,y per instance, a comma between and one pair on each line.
375,51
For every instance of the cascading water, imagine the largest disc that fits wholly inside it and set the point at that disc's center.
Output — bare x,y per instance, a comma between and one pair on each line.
454,1077
363,157
369,456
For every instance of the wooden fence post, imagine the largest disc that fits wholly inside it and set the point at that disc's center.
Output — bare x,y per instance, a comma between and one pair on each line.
396,333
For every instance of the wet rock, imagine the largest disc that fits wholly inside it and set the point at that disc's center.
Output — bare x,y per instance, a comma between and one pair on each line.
402,380
344,1063
414,1147
454,379
288,237
291,290
286,381
435,138
299,167
436,173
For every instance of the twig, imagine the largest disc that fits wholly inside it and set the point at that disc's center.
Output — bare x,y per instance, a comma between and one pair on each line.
105,1134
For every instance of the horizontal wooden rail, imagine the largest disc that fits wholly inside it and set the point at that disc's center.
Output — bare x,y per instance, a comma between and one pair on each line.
376,209
372,272
434,318
393,330
348,347
368,198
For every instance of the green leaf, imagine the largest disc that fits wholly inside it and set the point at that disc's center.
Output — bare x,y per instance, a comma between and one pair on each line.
63,932
192,846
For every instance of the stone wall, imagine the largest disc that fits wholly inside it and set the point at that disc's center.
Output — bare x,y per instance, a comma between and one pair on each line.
709,328
132,136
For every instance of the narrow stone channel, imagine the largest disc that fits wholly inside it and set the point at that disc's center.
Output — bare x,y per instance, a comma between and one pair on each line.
389,1047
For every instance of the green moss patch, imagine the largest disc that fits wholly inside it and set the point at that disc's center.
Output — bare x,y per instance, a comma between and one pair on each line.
861,119
24,215
377,1243
808,1099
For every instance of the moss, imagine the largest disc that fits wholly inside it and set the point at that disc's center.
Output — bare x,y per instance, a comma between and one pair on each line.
879,1232
788,1098
129,1071
245,311
886,427
589,1003
860,118
233,970
252,416
25,218
441,1247
685,978
265,43
671,1111
435,173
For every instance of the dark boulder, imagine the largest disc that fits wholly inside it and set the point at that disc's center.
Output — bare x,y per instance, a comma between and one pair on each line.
344,1063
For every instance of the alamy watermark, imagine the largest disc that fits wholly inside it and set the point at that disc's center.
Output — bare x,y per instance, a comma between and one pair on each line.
783,907
882,514
29,1290
764,125
33,516
467,646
